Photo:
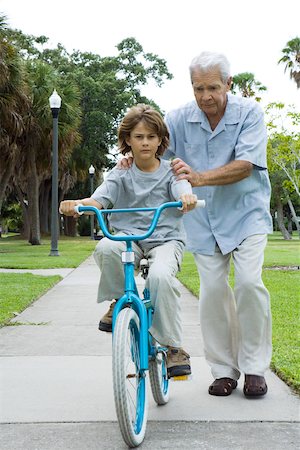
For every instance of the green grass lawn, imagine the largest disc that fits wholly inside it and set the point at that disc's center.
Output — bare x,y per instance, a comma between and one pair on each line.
284,287
282,253
16,253
17,291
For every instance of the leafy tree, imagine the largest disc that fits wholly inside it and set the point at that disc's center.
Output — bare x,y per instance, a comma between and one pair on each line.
108,87
245,84
291,59
104,88
284,161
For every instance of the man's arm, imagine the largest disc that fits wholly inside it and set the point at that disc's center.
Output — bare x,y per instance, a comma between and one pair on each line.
230,173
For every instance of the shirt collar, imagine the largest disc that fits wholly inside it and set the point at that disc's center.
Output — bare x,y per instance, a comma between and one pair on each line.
231,115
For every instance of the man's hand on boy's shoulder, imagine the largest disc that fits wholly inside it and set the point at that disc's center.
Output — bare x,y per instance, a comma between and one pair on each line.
125,162
189,202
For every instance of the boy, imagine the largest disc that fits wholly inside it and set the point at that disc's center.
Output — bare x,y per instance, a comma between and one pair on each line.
149,182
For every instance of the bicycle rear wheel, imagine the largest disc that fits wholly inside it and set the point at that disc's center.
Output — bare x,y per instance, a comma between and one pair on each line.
159,378
129,381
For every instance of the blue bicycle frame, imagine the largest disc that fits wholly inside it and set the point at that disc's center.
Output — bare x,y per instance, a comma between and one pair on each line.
131,295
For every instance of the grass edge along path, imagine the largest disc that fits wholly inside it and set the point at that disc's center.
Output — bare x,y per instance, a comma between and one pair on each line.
285,305
17,253
20,290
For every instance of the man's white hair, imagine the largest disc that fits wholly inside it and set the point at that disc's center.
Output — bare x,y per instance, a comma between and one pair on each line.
207,61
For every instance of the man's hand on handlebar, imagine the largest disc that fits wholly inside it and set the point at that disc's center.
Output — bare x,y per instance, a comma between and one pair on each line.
189,202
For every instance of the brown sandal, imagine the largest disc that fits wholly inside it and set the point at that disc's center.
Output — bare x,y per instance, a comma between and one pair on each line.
222,386
255,386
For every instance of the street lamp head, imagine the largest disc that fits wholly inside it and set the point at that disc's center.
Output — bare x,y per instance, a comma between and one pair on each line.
91,170
55,100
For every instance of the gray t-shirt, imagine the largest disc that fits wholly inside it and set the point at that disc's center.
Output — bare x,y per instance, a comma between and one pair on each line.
132,188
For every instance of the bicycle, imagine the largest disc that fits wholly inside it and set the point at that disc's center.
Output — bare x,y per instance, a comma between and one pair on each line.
134,350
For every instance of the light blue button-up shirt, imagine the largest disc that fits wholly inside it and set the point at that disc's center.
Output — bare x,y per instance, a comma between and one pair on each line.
235,211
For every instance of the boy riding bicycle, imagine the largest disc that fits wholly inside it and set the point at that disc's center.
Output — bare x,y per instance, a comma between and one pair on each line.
149,182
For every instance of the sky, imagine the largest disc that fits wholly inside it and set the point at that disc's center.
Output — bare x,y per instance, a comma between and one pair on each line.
251,35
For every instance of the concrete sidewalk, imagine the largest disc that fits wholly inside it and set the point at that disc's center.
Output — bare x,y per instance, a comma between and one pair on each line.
56,385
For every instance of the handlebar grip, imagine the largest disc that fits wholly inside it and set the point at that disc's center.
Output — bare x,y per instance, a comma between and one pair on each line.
76,209
200,204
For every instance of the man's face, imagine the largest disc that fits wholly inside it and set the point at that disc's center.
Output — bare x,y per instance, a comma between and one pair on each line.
210,92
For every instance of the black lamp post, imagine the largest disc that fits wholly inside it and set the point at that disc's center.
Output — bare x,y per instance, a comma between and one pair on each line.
92,173
55,103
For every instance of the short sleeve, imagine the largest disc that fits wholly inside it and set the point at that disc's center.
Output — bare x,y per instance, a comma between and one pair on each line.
252,140
108,192
170,151
179,187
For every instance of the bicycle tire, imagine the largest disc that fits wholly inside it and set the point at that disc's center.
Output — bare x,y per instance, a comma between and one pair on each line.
159,381
129,382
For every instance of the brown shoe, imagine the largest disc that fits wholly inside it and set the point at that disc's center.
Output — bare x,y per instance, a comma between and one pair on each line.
178,362
255,386
222,386
105,323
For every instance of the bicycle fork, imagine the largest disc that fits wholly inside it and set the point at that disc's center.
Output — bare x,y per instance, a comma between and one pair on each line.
131,298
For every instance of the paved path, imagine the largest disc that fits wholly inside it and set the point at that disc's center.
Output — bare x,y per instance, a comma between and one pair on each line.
56,388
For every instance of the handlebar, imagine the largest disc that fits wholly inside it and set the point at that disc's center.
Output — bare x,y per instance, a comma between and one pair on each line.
80,209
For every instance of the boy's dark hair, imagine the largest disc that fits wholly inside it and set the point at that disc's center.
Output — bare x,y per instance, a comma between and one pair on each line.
151,118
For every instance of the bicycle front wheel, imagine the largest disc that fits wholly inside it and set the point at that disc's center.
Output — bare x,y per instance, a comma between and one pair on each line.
129,381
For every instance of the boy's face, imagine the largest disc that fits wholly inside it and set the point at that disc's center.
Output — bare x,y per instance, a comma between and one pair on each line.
144,143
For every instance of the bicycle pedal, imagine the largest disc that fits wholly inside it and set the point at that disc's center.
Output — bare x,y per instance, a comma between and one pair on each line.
182,378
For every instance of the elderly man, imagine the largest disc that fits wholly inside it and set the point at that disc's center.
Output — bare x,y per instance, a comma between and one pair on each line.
219,145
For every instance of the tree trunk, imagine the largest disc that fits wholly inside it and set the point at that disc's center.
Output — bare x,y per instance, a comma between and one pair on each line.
70,226
33,204
24,206
294,215
280,220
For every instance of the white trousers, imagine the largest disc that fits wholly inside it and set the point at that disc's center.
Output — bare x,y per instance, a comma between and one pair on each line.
236,324
164,262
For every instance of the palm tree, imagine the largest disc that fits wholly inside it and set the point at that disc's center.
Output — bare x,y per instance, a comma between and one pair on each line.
35,159
247,86
291,59
13,107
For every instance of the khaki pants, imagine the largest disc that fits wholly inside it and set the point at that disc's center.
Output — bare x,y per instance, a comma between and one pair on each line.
164,262
236,324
